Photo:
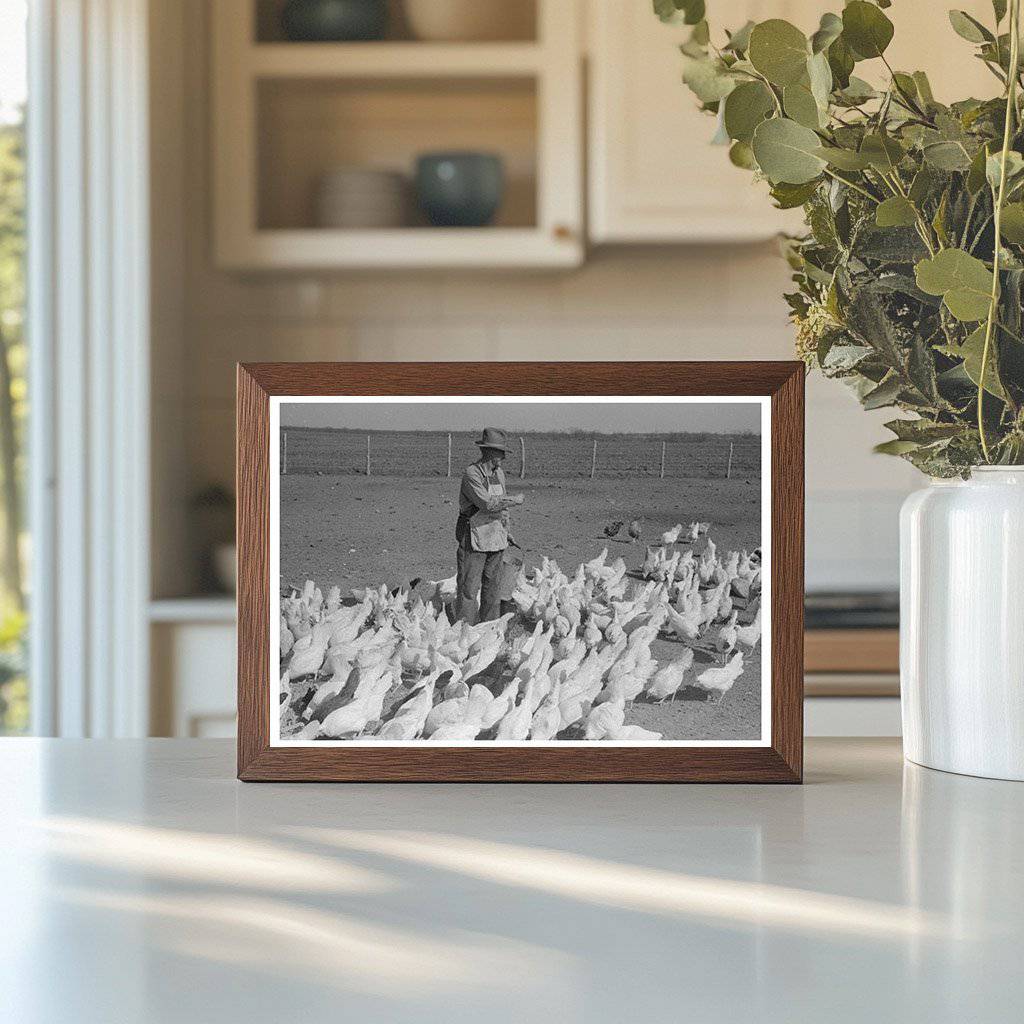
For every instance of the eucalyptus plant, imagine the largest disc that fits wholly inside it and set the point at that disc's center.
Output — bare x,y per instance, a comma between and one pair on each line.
902,289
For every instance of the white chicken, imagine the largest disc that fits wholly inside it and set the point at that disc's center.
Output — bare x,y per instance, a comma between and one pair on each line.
353,718
500,706
445,713
748,636
603,717
719,681
728,635
469,726
547,719
669,537
666,681
687,626
516,724
408,721
632,733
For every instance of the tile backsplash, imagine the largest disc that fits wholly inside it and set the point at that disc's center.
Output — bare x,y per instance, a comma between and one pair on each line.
709,303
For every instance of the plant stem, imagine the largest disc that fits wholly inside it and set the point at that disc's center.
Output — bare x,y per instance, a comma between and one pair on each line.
910,102
1011,108
853,185
775,98
1012,334
980,232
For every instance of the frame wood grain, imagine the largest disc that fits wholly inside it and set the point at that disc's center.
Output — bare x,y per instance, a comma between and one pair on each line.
782,761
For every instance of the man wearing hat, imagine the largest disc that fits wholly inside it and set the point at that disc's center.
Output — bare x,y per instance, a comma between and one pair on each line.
482,529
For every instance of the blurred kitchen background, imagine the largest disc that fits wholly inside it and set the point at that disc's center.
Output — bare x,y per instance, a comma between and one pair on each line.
291,218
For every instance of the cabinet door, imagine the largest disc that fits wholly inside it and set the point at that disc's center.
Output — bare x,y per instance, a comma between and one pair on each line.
654,177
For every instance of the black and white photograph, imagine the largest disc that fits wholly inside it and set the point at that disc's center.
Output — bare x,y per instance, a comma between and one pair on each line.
516,571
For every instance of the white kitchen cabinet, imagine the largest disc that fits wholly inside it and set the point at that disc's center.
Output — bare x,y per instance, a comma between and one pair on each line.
285,114
654,177
192,653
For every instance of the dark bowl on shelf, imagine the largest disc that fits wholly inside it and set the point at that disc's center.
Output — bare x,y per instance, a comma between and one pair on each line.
460,189
334,21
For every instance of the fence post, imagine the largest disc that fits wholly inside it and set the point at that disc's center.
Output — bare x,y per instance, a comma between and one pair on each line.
449,473
728,468
593,460
522,458
284,452
367,454
661,475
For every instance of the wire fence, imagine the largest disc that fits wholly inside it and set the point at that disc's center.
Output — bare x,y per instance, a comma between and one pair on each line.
328,452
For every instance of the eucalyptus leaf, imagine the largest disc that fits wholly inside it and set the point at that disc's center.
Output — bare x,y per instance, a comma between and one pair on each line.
666,10
976,176
963,281
923,430
969,28
894,212
895,447
883,152
844,159
819,75
993,167
868,321
801,106
708,80
841,62
884,395
721,136
701,34
921,370
829,30
741,155
939,219
779,51
922,185
745,108
1012,223
842,358
905,84
857,91
786,151
866,29
739,41
788,196
689,12
947,156
971,351
924,88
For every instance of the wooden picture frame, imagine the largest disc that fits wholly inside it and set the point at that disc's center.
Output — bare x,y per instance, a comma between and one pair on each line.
780,757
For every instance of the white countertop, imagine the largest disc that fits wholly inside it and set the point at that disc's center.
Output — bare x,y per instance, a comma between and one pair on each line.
140,882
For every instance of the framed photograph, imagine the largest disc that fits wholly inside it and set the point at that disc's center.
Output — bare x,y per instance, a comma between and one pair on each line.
565,572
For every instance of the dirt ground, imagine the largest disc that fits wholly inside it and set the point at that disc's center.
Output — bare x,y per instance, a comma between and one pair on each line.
359,531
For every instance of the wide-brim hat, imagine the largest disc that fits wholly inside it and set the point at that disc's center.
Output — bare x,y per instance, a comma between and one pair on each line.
493,438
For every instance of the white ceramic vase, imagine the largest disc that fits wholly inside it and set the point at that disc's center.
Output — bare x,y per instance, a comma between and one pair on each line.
962,624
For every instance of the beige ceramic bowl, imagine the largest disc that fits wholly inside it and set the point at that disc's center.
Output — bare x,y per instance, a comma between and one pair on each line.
471,20
358,197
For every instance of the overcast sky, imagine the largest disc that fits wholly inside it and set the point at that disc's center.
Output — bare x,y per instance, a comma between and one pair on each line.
602,417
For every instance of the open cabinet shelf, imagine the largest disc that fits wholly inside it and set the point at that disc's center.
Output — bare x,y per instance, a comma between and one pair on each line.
393,60
287,114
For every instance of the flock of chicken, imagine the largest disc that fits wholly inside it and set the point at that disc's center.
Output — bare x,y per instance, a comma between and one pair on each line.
564,663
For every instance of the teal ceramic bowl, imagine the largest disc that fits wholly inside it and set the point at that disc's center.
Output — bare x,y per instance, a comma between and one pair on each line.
334,21
460,189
